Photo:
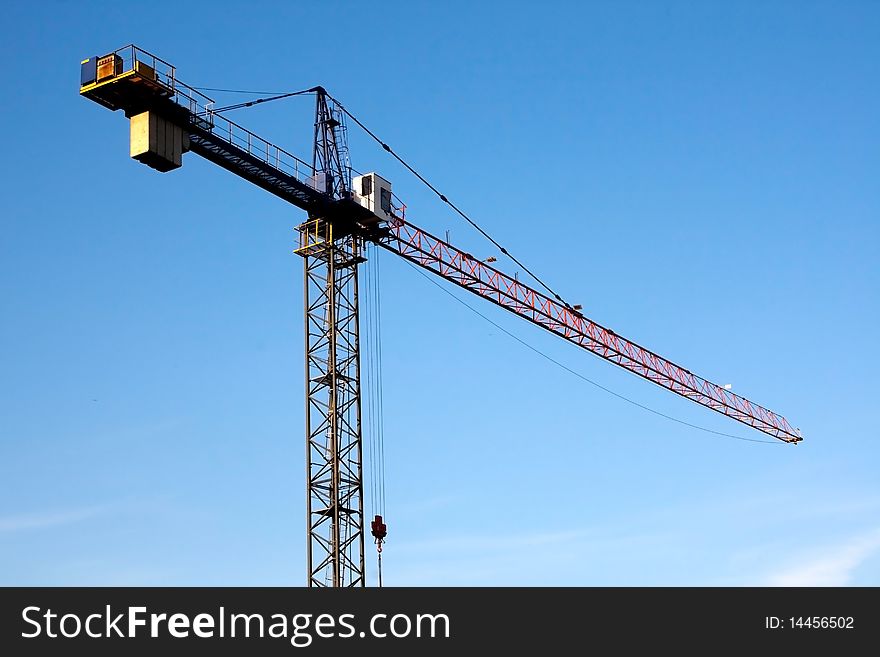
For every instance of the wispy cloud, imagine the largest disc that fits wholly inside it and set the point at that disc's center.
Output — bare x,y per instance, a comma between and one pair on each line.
831,567
36,521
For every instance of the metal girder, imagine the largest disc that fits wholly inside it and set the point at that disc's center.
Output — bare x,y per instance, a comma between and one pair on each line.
215,148
443,259
333,415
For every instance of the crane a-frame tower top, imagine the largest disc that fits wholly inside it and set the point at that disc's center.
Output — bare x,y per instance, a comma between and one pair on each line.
169,118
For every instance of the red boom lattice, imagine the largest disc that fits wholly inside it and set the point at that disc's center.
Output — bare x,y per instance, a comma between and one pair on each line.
433,254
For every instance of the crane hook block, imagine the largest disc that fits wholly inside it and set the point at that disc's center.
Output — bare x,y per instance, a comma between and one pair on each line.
378,529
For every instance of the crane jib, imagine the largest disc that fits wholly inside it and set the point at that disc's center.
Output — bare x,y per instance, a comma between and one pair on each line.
443,259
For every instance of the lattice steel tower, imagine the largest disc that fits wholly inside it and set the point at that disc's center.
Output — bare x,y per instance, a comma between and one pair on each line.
332,254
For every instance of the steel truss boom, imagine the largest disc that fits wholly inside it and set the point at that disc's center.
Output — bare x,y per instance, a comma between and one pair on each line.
441,258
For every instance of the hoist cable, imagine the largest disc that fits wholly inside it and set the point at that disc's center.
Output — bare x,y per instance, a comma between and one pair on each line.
370,390
257,101
380,382
239,91
375,394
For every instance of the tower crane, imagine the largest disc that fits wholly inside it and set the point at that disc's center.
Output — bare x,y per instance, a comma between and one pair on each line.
344,215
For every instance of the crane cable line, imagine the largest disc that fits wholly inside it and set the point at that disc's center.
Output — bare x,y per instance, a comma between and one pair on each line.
379,416
375,396
240,91
452,205
257,101
581,376
369,393
379,392
380,381
374,421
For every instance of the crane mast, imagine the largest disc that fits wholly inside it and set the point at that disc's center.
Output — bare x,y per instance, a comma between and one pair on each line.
168,118
334,452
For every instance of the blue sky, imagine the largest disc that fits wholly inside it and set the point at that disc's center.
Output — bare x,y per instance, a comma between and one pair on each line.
702,177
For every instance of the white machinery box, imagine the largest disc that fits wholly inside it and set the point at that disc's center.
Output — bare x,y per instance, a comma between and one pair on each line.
374,193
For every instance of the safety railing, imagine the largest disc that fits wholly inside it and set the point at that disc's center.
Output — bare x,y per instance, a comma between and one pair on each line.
164,72
257,147
201,109
315,235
